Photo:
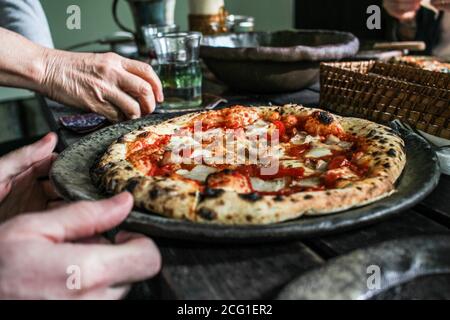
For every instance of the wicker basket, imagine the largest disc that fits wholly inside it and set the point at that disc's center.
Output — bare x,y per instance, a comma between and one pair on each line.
412,74
381,92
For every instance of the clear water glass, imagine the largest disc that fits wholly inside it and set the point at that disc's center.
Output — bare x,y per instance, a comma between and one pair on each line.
150,31
179,69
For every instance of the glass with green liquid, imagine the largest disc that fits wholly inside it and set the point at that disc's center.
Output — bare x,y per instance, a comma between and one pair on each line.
179,69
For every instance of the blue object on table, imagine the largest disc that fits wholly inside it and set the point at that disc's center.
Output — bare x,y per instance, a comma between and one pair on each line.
83,123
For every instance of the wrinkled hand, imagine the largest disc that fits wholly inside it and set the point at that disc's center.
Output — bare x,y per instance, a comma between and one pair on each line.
37,252
443,5
403,10
107,83
24,184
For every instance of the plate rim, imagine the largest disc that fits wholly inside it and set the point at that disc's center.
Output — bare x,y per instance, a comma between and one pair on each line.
302,227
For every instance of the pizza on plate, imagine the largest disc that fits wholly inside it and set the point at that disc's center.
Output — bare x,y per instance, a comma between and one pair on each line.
253,165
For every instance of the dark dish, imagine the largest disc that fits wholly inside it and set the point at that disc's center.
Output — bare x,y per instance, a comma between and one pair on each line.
283,61
402,261
71,177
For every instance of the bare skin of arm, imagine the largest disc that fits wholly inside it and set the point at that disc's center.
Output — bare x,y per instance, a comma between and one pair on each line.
41,236
40,250
107,83
40,241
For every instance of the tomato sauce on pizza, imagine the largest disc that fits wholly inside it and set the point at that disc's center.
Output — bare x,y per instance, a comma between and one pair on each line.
306,142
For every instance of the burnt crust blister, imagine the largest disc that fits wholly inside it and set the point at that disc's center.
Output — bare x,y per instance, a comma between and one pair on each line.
325,117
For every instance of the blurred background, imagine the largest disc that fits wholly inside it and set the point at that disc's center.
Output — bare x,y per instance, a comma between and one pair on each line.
269,15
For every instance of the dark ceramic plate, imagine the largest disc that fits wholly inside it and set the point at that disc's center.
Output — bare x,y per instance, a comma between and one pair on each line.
70,174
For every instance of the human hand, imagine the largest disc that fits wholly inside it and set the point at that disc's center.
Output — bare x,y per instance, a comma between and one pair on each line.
24,184
36,251
107,83
443,5
403,10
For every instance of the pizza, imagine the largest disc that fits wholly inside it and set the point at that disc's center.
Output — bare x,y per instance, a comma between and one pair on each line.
253,165
424,62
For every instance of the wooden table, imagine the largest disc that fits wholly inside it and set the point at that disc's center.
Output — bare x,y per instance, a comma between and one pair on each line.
259,271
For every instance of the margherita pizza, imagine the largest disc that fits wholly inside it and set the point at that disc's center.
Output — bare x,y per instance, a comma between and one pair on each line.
253,165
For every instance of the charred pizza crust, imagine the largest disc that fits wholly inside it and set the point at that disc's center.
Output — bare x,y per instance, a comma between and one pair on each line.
177,198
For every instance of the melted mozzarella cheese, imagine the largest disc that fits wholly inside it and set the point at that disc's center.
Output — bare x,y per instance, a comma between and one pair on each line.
179,142
302,138
292,163
258,128
344,173
332,139
166,129
321,165
297,164
318,153
298,139
336,142
225,148
199,173
307,183
267,185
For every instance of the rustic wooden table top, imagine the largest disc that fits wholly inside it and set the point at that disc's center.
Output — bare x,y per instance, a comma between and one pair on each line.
259,271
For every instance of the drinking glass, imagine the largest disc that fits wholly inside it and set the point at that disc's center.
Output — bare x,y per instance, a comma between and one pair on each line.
179,69
150,31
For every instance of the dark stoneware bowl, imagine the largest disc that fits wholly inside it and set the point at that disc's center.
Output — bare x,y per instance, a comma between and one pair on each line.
283,61
70,174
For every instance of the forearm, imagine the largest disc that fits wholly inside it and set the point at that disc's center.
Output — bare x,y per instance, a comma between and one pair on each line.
104,83
22,62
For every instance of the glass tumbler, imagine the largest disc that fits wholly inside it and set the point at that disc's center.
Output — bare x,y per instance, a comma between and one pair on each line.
179,69
150,31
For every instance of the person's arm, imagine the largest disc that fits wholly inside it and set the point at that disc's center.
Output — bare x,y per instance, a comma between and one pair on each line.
21,61
26,17
104,83
47,244
59,254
